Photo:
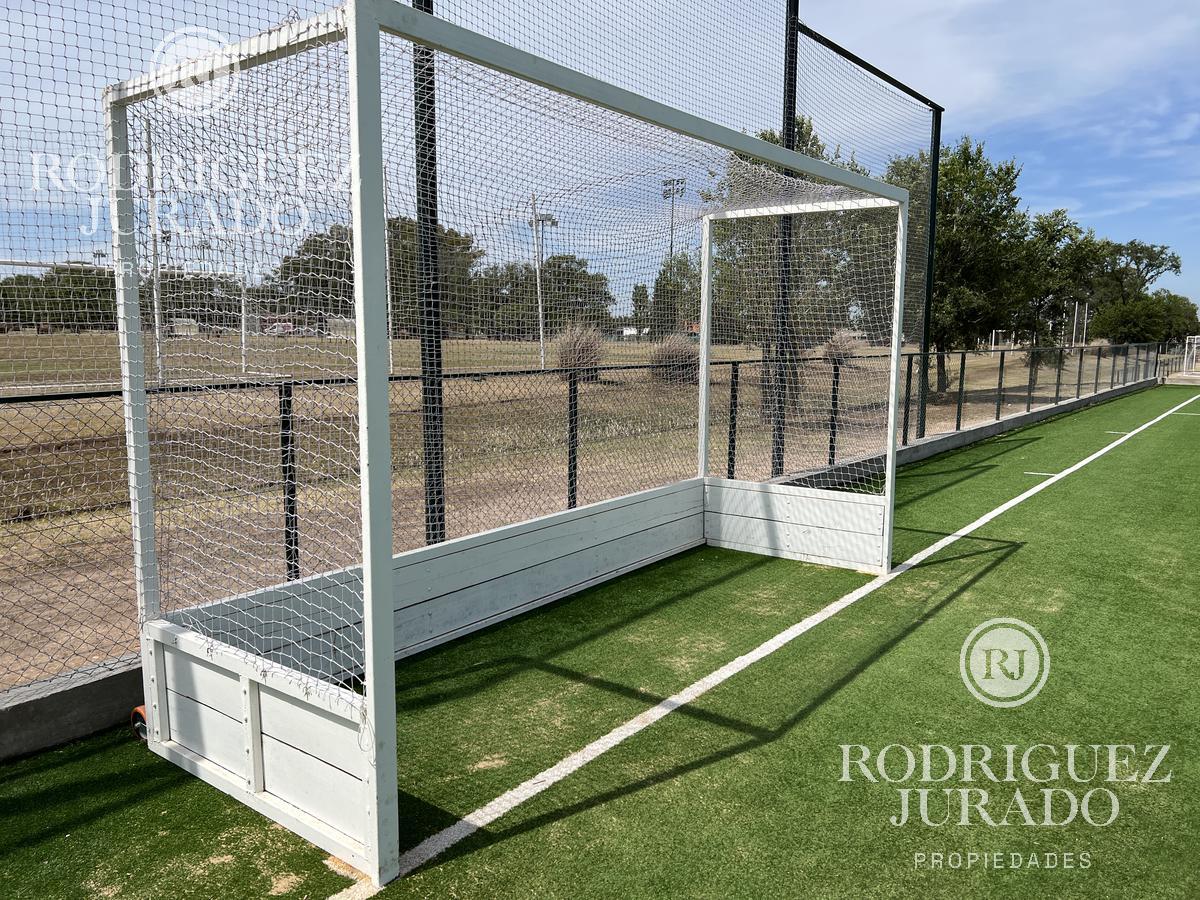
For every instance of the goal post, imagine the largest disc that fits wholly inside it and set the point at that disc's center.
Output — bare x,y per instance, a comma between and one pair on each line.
282,552
1191,353
760,515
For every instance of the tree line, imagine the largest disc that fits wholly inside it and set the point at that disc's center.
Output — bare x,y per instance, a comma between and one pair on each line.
998,267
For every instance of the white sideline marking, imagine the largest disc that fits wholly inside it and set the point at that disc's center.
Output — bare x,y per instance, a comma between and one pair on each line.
1118,432
1047,474
361,889
1187,414
438,843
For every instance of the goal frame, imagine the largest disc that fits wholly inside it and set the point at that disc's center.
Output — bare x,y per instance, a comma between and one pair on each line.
1191,353
759,515
338,724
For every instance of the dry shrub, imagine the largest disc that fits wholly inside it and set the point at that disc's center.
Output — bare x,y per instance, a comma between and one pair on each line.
842,345
676,359
580,347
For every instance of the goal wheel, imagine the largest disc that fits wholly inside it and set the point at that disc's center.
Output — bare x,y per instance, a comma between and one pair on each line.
137,721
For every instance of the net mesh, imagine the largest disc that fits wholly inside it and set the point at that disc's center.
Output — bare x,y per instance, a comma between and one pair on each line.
809,298
66,599
562,425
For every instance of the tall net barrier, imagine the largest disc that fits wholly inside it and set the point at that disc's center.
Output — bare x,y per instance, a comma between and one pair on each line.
503,406
858,119
211,314
253,429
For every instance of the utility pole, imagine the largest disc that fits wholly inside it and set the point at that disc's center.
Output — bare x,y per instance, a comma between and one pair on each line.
155,263
672,188
537,222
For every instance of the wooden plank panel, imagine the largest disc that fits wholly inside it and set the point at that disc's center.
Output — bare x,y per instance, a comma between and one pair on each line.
418,582
760,550
798,490
795,508
853,549
314,731
321,790
208,733
204,681
481,604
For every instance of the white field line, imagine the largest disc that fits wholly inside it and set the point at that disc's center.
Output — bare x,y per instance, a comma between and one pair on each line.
1047,474
1187,414
437,844
1118,432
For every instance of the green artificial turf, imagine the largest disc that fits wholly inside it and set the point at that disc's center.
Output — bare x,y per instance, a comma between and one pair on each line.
738,794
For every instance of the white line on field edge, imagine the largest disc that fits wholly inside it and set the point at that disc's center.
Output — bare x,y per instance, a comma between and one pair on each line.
438,843
1047,474
1118,432
1187,414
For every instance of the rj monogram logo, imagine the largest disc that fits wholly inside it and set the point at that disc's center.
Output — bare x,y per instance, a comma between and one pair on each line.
1004,662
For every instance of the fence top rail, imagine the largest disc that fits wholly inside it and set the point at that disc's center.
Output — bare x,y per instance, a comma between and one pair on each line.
479,374
862,63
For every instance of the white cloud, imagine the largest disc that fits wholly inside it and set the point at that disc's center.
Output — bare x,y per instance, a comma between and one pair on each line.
990,61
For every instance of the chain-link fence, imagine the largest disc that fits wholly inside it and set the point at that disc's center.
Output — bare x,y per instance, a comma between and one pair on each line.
68,599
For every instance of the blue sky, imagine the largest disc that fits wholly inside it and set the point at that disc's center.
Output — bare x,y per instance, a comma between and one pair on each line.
1100,100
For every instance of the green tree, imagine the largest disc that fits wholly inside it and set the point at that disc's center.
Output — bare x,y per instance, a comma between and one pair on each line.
676,295
319,275
573,294
1132,268
1182,319
641,308
1139,320
981,238
1147,318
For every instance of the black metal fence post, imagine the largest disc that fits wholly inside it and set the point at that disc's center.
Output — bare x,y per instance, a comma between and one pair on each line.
1000,386
782,299
962,385
833,411
429,286
572,438
1033,368
1099,357
731,465
1079,377
1058,376
1112,371
935,155
907,397
287,464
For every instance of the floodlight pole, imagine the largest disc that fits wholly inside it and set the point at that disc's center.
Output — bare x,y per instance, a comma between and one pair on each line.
155,277
537,223
672,188
429,286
